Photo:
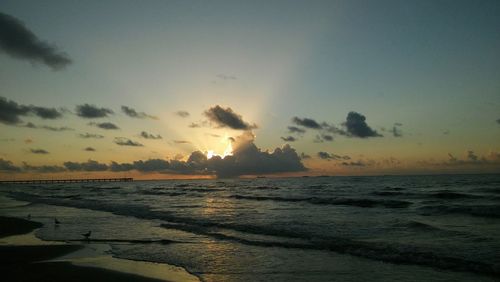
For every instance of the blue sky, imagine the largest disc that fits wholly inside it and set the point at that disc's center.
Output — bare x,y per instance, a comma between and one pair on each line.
432,66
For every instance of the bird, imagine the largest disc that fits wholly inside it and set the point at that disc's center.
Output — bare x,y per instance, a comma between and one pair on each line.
56,222
87,235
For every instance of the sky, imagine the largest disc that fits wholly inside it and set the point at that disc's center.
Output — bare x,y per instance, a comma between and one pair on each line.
180,89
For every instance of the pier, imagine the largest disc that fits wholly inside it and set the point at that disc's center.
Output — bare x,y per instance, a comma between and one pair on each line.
50,181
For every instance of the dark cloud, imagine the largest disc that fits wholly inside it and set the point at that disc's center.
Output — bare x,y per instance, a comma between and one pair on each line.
471,158
104,125
227,118
10,112
146,135
289,139
330,156
135,114
396,130
498,121
151,165
182,114
90,135
294,129
6,165
357,127
43,168
92,111
304,156
46,127
247,159
320,138
356,163
307,122
122,141
46,113
18,41
39,151
90,165
89,149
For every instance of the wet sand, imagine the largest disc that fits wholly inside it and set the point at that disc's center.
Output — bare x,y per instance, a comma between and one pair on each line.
42,262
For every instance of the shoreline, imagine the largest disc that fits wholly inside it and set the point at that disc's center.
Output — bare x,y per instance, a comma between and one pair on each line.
28,258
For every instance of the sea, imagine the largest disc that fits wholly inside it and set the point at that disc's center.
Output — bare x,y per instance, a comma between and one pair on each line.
370,228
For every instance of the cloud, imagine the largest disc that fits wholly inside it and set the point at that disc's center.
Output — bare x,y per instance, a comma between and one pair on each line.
6,165
90,165
194,125
134,114
320,138
247,159
151,165
10,112
89,149
294,129
357,127
181,142
46,113
104,125
227,118
396,130
356,163
18,41
46,127
289,139
304,156
330,156
92,111
39,151
43,168
182,114
469,159
90,135
498,121
122,141
307,122
146,135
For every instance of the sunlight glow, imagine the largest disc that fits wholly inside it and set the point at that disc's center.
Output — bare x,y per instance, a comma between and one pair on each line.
227,152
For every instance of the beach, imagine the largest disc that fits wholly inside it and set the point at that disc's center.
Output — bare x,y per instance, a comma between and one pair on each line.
31,259
390,228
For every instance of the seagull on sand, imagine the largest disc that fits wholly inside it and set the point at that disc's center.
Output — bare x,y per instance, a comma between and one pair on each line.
56,222
87,235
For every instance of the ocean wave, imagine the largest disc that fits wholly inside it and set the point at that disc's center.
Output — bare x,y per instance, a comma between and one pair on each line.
357,202
477,210
393,253
452,195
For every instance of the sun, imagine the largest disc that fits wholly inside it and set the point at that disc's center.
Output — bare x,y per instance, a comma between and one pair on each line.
227,152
